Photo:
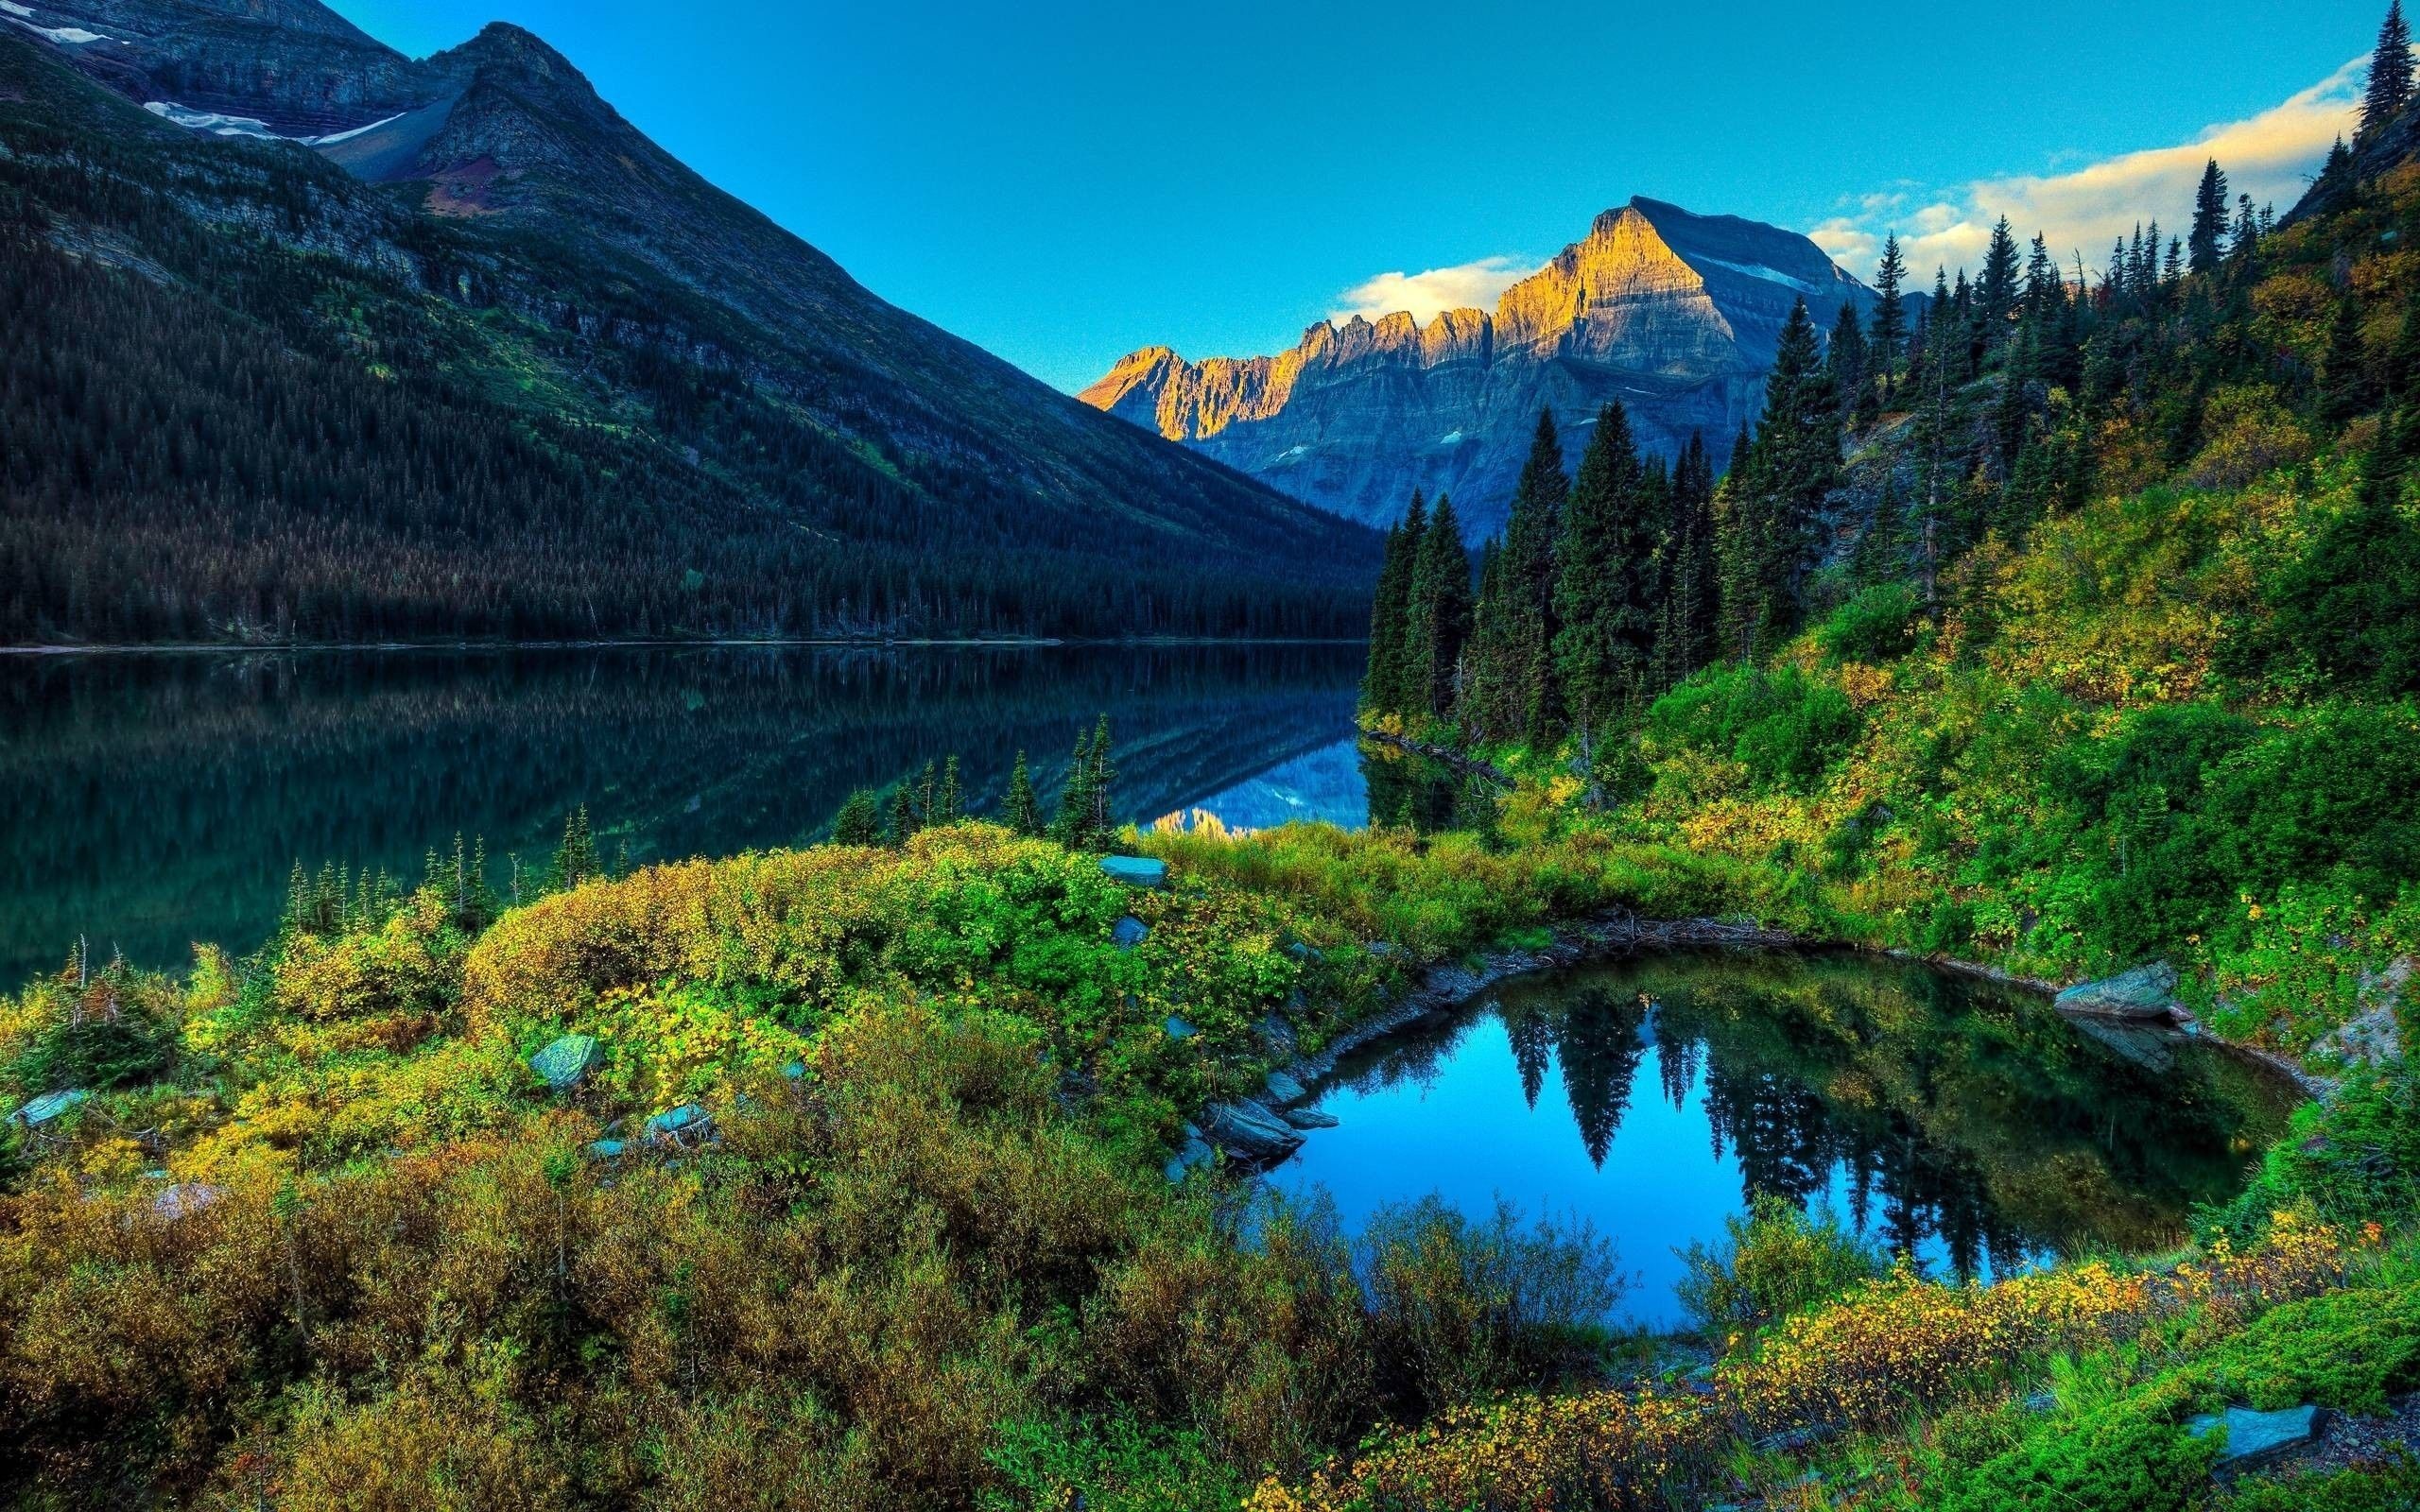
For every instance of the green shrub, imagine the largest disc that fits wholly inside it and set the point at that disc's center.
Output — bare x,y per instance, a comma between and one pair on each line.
1461,1308
1876,626
2129,1456
1786,727
2393,1487
1775,1261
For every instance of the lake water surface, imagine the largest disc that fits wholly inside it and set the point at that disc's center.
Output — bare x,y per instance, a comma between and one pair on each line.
153,801
1961,1123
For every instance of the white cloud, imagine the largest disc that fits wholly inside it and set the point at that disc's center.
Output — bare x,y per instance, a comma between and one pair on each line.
1467,285
2271,157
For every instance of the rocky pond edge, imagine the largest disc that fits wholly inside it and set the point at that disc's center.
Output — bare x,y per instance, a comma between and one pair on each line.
1256,1132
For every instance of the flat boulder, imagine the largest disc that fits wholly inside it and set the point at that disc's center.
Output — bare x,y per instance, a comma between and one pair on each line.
50,1107
2145,993
1128,931
1250,1132
566,1063
1136,871
1283,1088
688,1124
1307,1118
2257,1437
1178,1027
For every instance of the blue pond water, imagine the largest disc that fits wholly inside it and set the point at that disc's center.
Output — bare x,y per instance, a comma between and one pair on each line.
1961,1124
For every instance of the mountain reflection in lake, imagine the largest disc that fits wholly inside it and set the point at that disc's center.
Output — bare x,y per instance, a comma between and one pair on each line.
1961,1123
153,801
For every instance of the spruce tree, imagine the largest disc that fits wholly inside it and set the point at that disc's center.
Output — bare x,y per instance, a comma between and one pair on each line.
1689,586
1793,465
1021,810
2391,80
1846,360
903,825
1605,634
1889,336
949,805
859,821
1071,825
575,858
1439,625
1390,613
1995,295
2346,391
2209,219
1514,691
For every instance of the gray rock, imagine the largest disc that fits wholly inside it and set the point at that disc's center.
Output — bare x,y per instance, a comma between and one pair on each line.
1283,1088
1136,871
1278,1035
2372,1038
2257,1437
2144,992
566,1063
688,1124
1179,1028
1308,1118
50,1107
1190,1157
1128,931
184,1198
1250,1132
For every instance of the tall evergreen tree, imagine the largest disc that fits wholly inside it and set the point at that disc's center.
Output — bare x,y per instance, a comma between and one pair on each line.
1995,295
1845,359
1606,630
2391,82
1021,810
1889,336
1438,625
859,821
1513,667
2209,219
1689,588
574,857
1382,686
1791,466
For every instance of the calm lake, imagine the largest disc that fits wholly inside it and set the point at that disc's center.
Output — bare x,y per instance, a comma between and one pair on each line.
1962,1122
153,801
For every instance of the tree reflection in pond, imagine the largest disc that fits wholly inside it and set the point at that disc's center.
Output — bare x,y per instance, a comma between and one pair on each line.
1956,1121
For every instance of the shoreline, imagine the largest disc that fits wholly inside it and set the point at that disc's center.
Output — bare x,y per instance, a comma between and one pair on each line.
1010,643
1448,985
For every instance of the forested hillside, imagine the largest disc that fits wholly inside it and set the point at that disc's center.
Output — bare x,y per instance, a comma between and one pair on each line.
244,396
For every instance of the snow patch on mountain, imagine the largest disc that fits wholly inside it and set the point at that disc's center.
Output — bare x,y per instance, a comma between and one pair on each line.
15,9
218,125
1771,275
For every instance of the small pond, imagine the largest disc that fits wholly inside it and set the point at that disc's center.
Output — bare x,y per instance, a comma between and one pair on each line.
1952,1119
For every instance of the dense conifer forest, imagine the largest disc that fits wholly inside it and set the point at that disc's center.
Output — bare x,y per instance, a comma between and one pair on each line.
245,398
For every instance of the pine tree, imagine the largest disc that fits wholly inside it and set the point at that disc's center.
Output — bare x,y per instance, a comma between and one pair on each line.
1438,625
1021,810
1791,466
928,796
1071,825
903,822
2346,392
1995,295
949,805
859,821
1889,334
1606,630
2209,219
1099,787
575,858
1390,613
2391,80
1513,692
1846,360
1688,584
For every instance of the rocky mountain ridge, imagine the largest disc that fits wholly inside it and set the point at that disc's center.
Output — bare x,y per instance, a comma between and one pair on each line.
1676,315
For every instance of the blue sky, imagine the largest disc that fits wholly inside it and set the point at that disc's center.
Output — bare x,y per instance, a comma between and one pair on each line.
1064,181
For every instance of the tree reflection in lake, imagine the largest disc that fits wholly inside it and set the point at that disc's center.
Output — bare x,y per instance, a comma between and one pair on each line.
1961,1123
157,799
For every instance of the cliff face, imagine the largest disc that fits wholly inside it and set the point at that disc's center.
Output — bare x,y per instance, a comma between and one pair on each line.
1676,315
